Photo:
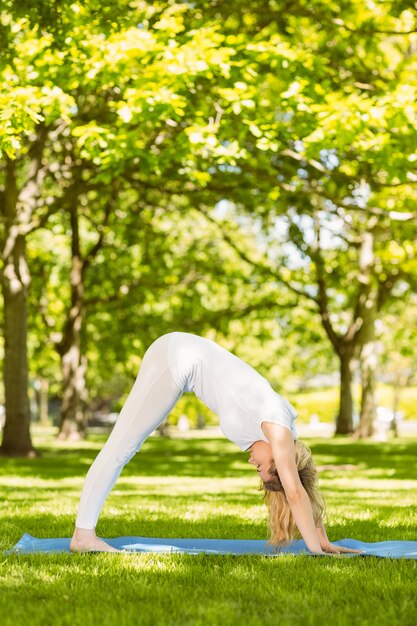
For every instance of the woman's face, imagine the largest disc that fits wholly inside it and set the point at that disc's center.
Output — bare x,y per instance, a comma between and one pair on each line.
261,457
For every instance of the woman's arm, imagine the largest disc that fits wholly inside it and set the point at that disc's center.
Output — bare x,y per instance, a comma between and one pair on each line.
330,548
321,532
282,444
316,539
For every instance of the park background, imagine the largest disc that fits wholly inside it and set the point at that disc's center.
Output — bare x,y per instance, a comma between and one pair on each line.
243,172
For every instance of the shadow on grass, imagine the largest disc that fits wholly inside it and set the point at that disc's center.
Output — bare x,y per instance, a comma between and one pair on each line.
164,525
397,456
158,457
212,458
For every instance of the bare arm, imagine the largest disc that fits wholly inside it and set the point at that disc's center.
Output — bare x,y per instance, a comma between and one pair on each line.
315,537
321,532
282,444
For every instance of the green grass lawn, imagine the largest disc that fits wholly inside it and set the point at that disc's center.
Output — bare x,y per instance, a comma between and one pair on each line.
205,488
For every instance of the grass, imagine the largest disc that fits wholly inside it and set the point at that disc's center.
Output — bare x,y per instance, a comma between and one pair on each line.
205,488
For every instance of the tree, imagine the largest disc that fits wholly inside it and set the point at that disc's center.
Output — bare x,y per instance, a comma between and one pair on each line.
326,141
203,102
93,109
396,337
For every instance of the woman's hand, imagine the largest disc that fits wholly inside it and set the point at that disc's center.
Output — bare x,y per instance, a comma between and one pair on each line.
330,548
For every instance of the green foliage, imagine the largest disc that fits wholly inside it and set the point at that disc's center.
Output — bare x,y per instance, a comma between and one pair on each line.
407,400
302,117
324,403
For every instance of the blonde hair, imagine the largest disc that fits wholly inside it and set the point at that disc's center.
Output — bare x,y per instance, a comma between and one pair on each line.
282,526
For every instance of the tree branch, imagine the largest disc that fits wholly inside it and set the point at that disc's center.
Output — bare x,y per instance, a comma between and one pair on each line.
323,299
264,269
92,253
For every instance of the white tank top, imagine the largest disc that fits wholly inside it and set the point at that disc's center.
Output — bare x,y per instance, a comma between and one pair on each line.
241,397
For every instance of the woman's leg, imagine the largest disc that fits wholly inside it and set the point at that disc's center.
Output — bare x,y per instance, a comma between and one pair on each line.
151,399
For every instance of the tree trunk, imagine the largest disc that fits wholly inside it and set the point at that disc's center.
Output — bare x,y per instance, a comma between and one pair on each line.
73,422
15,282
368,404
395,404
399,382
344,422
366,336
343,345
74,364
42,400
73,408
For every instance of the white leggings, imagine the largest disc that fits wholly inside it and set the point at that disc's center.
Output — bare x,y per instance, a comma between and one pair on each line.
151,399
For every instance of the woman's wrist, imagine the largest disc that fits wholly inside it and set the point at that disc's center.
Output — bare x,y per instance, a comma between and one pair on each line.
325,544
322,535
316,547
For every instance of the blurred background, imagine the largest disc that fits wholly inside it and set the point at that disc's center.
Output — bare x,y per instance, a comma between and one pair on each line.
243,172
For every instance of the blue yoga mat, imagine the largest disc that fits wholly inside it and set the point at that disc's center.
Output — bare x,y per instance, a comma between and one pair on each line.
388,549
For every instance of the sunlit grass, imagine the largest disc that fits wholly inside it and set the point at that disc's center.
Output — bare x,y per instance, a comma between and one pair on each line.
205,488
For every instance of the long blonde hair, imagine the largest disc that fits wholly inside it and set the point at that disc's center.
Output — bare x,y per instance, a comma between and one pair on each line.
282,526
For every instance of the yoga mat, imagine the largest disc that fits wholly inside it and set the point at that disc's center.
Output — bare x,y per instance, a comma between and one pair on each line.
387,549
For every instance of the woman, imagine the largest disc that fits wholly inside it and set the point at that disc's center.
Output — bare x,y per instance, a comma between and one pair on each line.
252,415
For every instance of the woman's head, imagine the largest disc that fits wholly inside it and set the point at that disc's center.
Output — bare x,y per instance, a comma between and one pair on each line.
261,458
282,525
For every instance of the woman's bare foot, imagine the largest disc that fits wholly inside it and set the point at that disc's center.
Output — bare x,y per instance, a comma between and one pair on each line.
85,540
